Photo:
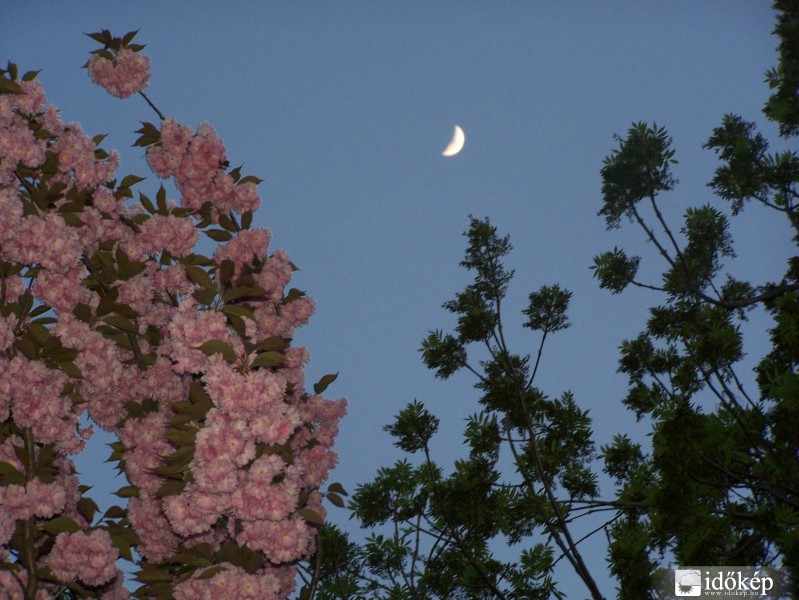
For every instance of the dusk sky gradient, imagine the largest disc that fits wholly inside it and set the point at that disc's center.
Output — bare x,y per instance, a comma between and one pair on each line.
344,108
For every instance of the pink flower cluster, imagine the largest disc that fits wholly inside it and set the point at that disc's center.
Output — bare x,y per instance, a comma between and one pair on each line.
7,527
62,290
234,582
76,158
177,236
218,447
244,248
245,395
18,144
6,339
41,500
88,557
122,76
46,240
275,274
13,587
157,540
197,163
188,330
78,164
34,393
35,498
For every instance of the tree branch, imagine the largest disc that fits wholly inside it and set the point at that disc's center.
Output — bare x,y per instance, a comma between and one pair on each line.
454,534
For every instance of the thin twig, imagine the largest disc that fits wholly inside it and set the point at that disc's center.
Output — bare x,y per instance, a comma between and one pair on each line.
153,106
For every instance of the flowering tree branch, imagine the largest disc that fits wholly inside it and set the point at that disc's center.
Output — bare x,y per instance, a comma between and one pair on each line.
107,311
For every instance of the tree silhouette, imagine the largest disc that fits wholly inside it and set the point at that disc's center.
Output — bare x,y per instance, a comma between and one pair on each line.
718,484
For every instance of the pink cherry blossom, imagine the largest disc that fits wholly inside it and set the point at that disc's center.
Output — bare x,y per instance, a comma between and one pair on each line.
298,312
68,482
197,162
177,236
15,287
160,382
100,361
261,497
51,121
88,557
275,275
7,452
7,325
105,201
244,248
325,414
158,542
116,589
124,75
173,280
224,439
275,425
19,146
77,162
316,463
189,329
12,585
281,541
186,517
243,394
7,527
11,209
14,501
232,583
63,291
165,158
138,292
44,499
270,323
35,498
255,446
46,240
36,402
100,225
12,106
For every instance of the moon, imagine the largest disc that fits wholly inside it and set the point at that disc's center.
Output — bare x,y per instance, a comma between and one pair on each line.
456,144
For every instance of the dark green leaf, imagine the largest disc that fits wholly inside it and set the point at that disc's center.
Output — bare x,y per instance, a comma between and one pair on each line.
219,347
121,323
239,310
199,276
130,180
335,499
337,488
60,525
268,359
218,235
242,292
10,87
171,487
324,382
128,491
147,204
115,512
311,516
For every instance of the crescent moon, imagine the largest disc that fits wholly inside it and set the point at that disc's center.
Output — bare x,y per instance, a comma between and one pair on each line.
456,144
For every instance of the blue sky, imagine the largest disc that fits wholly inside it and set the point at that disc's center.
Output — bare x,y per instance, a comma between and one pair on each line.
344,108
